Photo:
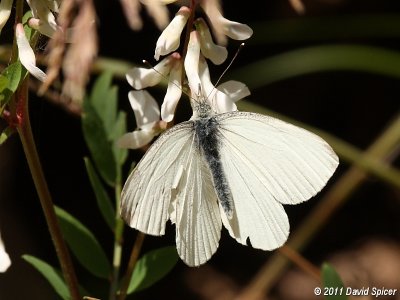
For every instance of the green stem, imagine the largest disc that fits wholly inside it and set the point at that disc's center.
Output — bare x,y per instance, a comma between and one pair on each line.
131,265
119,230
28,144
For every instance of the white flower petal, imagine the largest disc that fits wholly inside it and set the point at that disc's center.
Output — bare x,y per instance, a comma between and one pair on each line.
26,54
220,101
41,11
234,89
223,103
217,54
192,64
169,39
205,78
235,30
141,78
174,93
5,11
212,8
136,139
144,106
5,261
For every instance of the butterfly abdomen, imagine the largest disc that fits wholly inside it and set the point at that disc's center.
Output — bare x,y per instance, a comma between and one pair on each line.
208,143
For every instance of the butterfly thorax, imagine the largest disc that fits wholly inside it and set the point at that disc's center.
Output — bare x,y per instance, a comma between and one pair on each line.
201,110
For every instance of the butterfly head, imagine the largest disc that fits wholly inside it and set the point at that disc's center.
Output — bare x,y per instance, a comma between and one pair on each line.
201,109
201,106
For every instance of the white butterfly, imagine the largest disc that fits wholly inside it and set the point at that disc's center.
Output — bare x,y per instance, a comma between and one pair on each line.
236,169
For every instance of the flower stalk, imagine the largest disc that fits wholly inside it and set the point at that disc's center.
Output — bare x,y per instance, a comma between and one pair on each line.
118,232
25,132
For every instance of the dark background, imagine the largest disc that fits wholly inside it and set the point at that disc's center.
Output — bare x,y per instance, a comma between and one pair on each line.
354,106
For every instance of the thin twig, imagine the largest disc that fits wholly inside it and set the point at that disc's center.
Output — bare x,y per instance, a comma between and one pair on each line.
28,144
131,265
301,262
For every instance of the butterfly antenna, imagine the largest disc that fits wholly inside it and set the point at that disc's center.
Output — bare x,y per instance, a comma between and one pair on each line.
226,69
230,64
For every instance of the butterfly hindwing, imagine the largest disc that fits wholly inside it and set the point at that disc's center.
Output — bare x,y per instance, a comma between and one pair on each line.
198,219
269,163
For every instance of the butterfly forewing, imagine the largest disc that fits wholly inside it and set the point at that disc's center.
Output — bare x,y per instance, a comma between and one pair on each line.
269,162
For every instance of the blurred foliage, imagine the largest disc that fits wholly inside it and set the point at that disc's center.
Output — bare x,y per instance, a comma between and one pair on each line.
333,285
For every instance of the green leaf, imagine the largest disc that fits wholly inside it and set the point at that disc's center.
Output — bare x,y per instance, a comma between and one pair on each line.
27,16
3,83
101,88
104,98
103,200
84,245
119,129
320,59
51,274
153,266
28,30
99,145
5,134
14,73
334,288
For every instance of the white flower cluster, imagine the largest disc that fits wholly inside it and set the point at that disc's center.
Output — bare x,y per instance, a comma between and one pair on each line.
200,47
43,20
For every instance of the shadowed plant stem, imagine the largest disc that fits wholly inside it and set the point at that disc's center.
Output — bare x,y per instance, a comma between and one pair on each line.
381,149
119,230
301,262
28,144
131,265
